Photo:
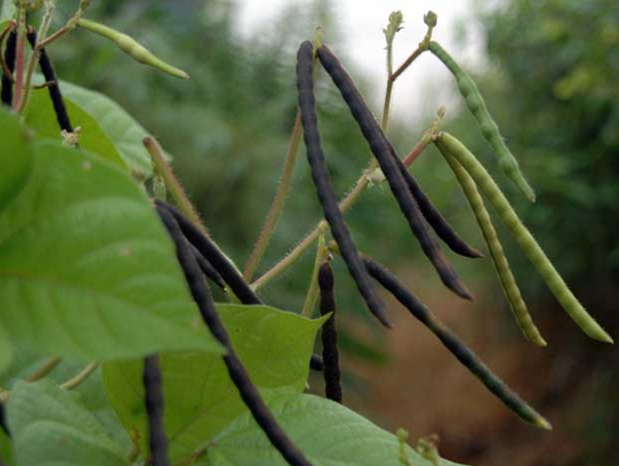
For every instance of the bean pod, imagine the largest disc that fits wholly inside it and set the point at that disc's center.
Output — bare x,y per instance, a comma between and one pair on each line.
476,104
523,237
330,353
153,400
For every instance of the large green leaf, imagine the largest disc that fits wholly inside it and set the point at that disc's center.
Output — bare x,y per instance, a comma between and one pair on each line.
51,428
120,127
41,117
328,433
86,269
200,399
15,157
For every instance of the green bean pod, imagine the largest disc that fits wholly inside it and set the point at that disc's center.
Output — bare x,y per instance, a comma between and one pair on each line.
506,277
523,237
476,104
132,48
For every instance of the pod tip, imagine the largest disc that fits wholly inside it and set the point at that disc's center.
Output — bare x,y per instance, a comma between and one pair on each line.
542,423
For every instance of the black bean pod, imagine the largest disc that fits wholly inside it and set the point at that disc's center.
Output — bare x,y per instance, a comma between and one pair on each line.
3,425
325,191
316,363
383,152
9,60
464,354
237,372
153,399
207,268
330,353
211,252
47,68
434,218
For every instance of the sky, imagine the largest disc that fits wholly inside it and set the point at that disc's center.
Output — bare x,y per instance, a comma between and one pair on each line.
427,84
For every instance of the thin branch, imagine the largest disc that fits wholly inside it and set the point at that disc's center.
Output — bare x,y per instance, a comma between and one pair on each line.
81,377
48,367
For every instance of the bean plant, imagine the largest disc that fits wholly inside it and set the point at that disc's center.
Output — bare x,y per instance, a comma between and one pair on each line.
113,350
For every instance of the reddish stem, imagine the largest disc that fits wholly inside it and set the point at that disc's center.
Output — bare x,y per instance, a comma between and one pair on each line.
417,150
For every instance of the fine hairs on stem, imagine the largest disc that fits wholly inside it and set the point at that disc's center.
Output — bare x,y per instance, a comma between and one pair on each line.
238,374
53,87
330,353
153,400
465,355
501,265
9,60
325,191
384,154
523,237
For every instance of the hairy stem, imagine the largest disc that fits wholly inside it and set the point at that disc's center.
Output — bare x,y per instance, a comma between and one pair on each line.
81,377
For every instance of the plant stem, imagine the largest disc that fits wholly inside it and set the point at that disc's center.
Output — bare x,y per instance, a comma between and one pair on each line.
19,62
81,377
312,292
278,201
49,366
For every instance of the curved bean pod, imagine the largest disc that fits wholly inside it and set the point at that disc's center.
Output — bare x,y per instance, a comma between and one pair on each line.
153,400
465,355
330,353
501,265
384,153
207,268
237,372
9,59
523,237
476,104
324,189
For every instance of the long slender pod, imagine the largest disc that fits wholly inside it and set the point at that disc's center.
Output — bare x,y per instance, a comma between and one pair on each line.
477,106
434,218
238,374
448,143
211,252
47,68
9,60
501,265
464,354
330,353
207,268
383,152
325,191
153,400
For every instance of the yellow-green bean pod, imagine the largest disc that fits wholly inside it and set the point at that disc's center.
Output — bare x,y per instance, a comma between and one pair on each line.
523,237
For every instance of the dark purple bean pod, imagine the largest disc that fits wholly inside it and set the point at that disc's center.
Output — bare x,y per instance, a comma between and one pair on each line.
325,191
9,59
53,87
153,399
207,268
434,218
330,353
383,152
211,252
458,348
238,374
3,425
316,363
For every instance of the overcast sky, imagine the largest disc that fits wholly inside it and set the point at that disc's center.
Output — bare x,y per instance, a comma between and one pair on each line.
422,88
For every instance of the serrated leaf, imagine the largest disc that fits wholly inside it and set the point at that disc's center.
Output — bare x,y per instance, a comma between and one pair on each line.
200,399
328,433
41,117
86,269
51,428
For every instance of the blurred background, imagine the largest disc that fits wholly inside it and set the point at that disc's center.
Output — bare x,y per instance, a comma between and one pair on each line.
548,71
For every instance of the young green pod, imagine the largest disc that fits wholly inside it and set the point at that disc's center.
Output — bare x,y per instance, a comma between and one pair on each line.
464,354
153,399
501,265
330,353
132,48
47,68
477,106
9,60
384,153
211,252
324,189
434,218
525,240
238,374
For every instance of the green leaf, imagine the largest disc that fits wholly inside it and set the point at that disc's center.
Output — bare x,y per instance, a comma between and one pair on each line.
7,12
15,157
41,117
328,433
51,428
86,268
6,449
6,350
200,399
120,127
